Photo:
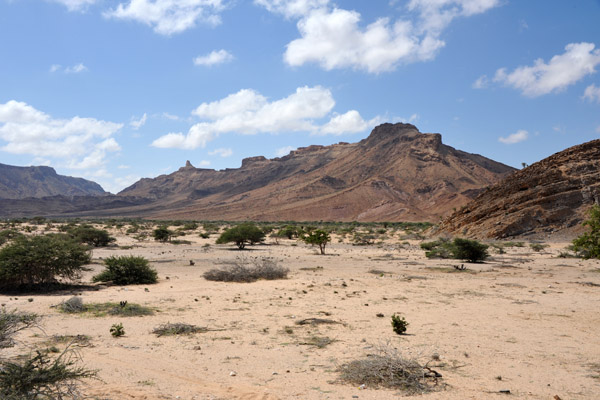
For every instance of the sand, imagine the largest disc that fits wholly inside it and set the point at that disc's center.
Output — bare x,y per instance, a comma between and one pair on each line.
522,321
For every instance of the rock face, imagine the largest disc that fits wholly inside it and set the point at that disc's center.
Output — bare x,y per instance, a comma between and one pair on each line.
548,197
396,174
23,182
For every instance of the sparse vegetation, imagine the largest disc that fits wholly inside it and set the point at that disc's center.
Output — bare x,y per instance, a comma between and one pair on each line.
89,235
127,270
243,270
537,246
388,368
170,329
588,244
162,234
31,261
241,235
461,249
117,330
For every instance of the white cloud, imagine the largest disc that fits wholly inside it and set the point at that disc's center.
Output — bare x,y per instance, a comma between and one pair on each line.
333,37
170,116
55,67
213,58
204,163
481,83
248,112
578,60
284,151
168,17
221,152
513,138
292,8
75,5
76,69
592,93
138,123
77,143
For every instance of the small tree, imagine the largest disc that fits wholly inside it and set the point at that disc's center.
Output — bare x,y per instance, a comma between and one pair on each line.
89,235
470,250
41,259
318,237
127,270
241,235
588,244
162,234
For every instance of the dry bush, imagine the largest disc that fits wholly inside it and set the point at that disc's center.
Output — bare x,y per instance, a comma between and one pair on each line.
12,322
177,329
242,270
72,305
390,369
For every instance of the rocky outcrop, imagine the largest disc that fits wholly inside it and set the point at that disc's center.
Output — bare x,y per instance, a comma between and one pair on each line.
23,182
397,173
549,197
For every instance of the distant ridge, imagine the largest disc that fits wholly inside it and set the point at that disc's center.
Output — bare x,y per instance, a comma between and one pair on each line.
24,182
549,197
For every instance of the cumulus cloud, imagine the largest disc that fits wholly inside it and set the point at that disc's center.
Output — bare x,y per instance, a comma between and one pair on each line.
221,152
213,58
138,123
284,151
168,17
592,93
77,143
334,38
578,60
513,138
249,112
481,83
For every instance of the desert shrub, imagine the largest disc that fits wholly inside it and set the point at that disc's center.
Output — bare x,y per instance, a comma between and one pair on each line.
537,246
470,250
40,260
241,271
588,244
39,376
123,309
317,237
89,235
8,235
117,330
399,324
189,226
204,235
241,235
127,270
72,305
461,249
288,231
363,239
388,368
177,329
12,322
162,234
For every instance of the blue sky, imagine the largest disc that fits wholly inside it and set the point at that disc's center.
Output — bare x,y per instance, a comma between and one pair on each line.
116,91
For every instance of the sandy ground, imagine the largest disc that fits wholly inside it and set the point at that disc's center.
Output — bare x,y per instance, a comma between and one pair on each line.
523,321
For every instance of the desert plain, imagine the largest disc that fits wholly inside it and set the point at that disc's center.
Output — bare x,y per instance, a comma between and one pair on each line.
523,324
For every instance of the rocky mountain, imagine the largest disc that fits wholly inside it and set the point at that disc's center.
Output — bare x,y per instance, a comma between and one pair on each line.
23,182
396,174
548,197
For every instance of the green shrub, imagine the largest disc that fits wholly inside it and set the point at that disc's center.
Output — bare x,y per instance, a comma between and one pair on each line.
127,270
399,324
38,376
40,260
588,244
241,235
162,234
461,249
117,330
89,235
8,235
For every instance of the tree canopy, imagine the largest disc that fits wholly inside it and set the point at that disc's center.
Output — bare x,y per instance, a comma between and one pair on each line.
241,235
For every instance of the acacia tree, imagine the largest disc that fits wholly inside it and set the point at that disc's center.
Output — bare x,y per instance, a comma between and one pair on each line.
241,235
589,243
162,234
33,260
318,237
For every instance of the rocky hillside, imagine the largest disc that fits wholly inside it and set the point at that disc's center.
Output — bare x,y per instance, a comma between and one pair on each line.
548,197
23,182
396,174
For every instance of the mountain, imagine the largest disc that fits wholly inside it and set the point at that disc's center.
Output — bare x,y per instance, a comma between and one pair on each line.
23,182
548,197
396,174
